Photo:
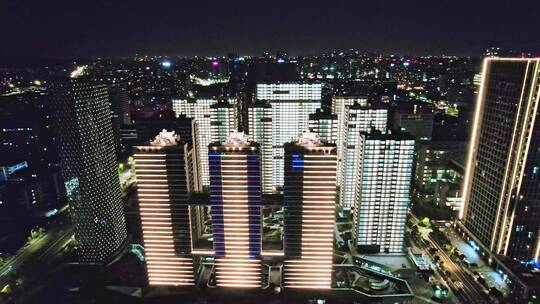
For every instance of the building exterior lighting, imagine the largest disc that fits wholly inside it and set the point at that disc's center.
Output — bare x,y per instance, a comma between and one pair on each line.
500,185
235,199
310,197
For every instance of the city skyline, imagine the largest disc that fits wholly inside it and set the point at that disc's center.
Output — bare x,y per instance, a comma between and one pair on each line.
327,177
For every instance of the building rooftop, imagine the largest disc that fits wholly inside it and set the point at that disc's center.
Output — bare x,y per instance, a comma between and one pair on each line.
309,139
390,135
298,82
235,141
319,114
371,105
165,138
222,103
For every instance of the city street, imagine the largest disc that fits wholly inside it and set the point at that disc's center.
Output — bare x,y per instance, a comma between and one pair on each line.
492,277
23,254
454,293
471,289
461,283
43,249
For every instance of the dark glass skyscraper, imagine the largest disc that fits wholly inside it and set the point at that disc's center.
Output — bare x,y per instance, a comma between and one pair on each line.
325,125
501,187
86,145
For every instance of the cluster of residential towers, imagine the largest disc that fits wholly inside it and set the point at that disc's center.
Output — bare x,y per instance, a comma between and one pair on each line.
292,152
349,158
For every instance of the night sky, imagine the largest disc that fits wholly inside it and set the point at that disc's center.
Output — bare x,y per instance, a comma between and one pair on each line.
75,28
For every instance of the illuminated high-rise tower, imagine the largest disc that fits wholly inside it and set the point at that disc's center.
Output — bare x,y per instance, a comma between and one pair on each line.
260,131
291,105
310,198
223,120
235,199
201,111
340,108
163,180
361,119
501,192
385,163
83,127
325,125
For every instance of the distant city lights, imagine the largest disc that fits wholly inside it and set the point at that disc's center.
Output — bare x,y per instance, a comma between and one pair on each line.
79,71
166,64
338,145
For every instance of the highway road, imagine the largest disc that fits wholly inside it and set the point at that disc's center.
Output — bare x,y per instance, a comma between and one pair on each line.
469,288
24,253
20,256
462,284
43,250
